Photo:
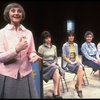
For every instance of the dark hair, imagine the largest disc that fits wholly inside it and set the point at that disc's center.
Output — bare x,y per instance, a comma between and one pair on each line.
45,34
7,9
70,33
88,33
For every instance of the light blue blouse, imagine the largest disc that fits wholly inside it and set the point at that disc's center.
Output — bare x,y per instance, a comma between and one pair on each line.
89,50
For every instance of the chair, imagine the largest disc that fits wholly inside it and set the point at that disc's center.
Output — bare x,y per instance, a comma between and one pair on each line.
41,71
63,80
92,72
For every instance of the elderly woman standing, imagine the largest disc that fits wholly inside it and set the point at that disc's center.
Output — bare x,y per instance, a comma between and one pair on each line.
17,52
50,67
90,52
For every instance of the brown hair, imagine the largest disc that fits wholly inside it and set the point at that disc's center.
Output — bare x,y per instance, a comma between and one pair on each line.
70,33
7,9
45,34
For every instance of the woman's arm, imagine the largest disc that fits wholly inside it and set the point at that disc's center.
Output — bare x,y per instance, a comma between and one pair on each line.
76,56
55,55
67,60
64,55
6,55
32,52
85,53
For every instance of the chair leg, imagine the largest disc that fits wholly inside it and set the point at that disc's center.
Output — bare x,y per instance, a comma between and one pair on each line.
92,72
85,76
62,84
65,83
83,81
99,73
74,77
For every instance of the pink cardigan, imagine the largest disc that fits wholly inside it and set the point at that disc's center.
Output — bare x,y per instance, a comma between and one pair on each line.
10,61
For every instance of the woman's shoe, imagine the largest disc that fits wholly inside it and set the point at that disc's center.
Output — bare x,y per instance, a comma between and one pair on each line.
80,94
57,96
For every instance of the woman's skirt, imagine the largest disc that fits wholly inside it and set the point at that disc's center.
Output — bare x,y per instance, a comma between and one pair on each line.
92,64
18,88
49,71
73,67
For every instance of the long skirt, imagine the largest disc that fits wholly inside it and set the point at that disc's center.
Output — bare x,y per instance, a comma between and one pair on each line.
18,88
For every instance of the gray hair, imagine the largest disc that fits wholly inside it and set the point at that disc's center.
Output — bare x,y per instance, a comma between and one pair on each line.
88,33
12,5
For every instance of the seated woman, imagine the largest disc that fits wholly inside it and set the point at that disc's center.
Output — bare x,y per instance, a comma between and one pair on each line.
50,67
70,61
89,52
98,48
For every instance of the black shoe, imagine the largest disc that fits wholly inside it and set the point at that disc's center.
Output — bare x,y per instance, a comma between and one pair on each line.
80,94
57,96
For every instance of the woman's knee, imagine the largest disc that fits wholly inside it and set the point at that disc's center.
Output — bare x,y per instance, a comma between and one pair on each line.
80,69
57,74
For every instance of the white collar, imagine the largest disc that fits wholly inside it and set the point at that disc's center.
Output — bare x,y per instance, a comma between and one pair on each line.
10,26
